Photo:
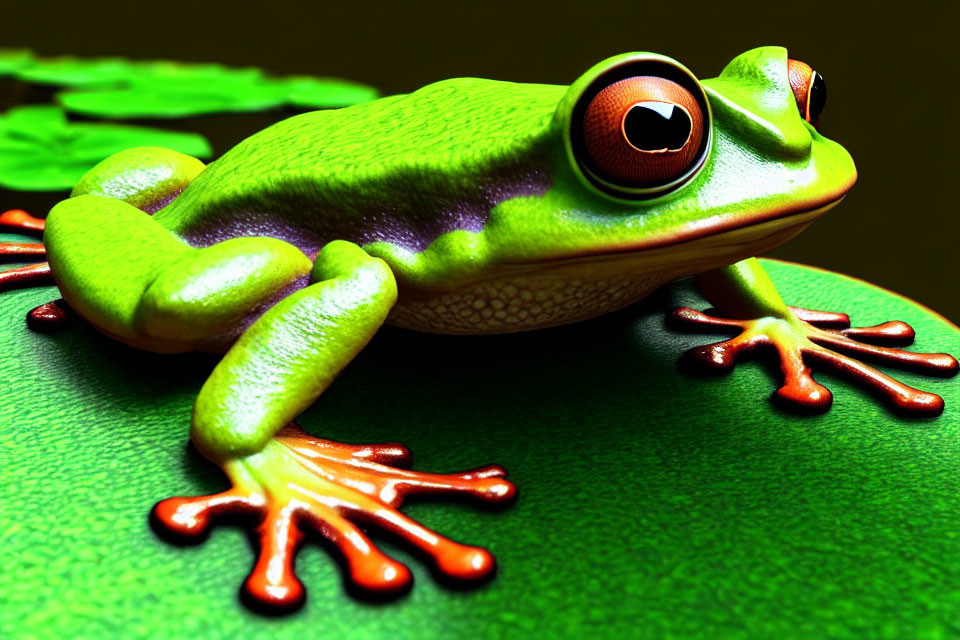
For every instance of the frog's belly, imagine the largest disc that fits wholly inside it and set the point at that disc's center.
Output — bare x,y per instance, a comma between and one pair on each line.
521,303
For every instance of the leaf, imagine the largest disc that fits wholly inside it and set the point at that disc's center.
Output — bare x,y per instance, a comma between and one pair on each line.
41,151
118,88
12,60
319,93
179,92
653,504
70,71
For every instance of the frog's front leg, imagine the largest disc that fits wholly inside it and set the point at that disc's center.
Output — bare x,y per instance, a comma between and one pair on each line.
748,302
242,420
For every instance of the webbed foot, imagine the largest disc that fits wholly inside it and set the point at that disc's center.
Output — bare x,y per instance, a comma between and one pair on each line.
823,338
298,482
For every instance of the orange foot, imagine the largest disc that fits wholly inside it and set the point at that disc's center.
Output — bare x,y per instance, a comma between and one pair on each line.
813,336
47,317
298,482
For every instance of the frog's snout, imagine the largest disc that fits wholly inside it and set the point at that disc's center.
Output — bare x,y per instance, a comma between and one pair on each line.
754,99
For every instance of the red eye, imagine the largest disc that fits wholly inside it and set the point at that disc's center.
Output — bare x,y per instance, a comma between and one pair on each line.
809,90
643,131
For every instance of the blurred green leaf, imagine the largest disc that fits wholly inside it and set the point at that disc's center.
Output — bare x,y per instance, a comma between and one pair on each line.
69,71
11,60
316,93
117,88
184,91
41,151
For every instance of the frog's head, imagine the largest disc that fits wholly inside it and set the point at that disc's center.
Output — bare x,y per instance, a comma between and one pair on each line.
653,157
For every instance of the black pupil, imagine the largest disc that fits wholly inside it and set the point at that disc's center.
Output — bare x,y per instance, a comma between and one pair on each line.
654,126
817,99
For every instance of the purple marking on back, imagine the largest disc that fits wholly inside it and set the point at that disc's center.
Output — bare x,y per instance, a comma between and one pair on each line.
152,207
413,221
255,224
415,233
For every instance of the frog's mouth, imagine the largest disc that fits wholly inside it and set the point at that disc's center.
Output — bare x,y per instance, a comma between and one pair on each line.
709,244
725,224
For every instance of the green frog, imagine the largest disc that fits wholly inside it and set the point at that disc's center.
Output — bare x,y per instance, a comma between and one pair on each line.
469,206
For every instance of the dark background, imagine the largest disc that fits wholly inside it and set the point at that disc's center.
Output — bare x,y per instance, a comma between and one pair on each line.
891,71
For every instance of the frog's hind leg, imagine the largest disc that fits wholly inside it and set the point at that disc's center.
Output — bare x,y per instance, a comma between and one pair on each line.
148,178
151,289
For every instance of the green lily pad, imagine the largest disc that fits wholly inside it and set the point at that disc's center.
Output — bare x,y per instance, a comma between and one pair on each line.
117,88
73,72
652,504
70,71
41,151
304,92
12,60
180,91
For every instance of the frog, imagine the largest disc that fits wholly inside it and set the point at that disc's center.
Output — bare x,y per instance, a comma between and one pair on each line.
469,206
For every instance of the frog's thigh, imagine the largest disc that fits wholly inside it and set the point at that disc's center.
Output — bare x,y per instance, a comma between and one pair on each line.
149,178
104,253
285,359
131,277
212,291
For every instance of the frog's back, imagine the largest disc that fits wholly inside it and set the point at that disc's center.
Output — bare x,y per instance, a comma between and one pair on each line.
403,169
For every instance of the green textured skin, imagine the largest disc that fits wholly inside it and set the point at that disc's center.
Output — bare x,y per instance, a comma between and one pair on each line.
440,138
317,170
429,142
653,505
141,176
160,299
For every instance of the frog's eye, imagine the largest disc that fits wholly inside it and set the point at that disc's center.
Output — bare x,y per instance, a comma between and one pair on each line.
641,129
809,89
